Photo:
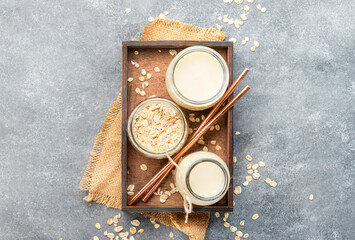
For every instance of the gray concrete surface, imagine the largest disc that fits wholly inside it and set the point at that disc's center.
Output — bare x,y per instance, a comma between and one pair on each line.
60,72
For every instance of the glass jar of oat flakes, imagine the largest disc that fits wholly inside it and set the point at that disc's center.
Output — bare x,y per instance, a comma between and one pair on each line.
157,126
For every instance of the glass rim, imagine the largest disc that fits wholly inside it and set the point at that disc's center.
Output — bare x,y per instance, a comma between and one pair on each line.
223,189
186,51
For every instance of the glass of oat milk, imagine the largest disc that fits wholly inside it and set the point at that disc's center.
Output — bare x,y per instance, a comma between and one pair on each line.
197,78
203,176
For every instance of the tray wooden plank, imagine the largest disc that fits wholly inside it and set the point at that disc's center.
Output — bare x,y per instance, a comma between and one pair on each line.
148,58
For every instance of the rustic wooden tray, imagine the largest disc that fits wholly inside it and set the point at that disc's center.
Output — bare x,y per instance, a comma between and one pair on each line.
156,54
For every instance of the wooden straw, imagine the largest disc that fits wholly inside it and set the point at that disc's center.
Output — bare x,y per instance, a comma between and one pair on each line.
225,97
161,175
214,110
194,140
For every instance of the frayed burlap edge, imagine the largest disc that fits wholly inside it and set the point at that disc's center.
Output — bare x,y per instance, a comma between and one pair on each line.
85,184
167,29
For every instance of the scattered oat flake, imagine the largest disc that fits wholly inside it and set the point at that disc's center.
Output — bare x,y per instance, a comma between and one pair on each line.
149,75
250,171
255,166
156,69
205,149
156,225
263,10
109,221
246,8
237,190
252,48
150,19
250,1
256,44
234,40
136,52
218,148
98,225
166,13
217,127
217,214
138,91
118,229
256,176
245,183
141,230
233,203
255,216
110,235
144,85
133,230
237,238
234,159
248,178
233,228
130,79
246,39
143,167
212,128
131,238
136,65
261,164
249,166
141,78
311,197
172,52
226,215
258,6
132,62
226,224
105,233
243,17
171,234
246,235
135,222
248,157
144,72
239,233
242,223
130,193
213,142
273,184
95,238
162,15
127,10
130,187
174,8
244,42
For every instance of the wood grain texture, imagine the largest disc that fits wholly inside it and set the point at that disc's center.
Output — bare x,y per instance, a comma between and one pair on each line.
148,58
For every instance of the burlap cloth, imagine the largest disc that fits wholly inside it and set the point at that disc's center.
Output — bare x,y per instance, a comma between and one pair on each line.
102,177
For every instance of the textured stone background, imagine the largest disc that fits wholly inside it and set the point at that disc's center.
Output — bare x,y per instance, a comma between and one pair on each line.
60,72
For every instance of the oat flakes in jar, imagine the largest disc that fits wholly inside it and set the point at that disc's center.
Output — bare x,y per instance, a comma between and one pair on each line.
203,176
156,126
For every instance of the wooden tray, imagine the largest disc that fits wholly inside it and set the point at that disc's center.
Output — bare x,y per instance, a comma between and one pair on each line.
156,54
